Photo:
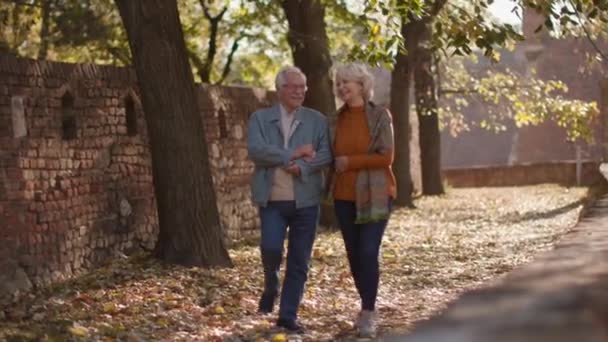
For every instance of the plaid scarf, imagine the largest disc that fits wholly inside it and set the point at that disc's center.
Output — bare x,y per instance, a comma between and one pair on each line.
371,186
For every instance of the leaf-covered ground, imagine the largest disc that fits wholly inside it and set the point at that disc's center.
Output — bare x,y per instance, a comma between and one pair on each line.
429,256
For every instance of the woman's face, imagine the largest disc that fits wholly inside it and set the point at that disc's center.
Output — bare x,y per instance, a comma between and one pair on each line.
349,91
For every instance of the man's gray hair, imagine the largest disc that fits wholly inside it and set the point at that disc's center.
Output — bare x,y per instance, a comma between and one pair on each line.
281,78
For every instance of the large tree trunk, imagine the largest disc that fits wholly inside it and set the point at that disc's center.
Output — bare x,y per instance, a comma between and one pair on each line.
411,31
426,108
310,49
401,77
190,231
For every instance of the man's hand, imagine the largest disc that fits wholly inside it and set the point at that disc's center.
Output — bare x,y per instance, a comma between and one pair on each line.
307,152
311,158
293,169
341,163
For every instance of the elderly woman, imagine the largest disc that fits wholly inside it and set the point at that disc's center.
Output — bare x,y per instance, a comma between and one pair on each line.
363,185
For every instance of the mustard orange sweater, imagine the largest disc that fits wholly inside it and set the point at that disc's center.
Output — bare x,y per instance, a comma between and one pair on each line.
352,140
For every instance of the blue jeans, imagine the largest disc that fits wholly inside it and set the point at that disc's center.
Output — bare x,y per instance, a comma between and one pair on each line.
362,242
302,223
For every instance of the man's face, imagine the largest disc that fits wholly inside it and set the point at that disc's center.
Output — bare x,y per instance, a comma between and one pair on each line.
292,92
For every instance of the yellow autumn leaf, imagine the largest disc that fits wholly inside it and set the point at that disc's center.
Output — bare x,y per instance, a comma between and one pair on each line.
162,322
375,29
495,57
264,324
109,308
279,338
78,330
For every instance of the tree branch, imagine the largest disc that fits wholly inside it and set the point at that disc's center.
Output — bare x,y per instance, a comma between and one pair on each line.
25,3
205,69
208,15
118,54
227,66
588,34
436,7
475,91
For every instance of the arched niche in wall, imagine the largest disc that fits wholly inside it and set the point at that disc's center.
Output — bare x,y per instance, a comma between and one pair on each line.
131,116
69,128
131,102
222,123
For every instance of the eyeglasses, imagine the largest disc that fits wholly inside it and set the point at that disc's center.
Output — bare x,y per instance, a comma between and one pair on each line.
294,87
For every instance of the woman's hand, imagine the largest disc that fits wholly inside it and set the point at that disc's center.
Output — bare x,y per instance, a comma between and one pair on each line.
341,163
305,151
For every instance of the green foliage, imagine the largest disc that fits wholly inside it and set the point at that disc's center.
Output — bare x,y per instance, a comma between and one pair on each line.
81,22
580,18
569,14
460,29
380,23
78,31
510,97
91,31
457,28
258,27
18,23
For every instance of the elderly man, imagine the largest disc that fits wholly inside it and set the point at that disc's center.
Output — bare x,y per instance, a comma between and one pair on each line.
289,145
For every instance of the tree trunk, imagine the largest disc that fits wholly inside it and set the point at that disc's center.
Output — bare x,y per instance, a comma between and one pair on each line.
426,108
401,77
310,49
44,29
190,232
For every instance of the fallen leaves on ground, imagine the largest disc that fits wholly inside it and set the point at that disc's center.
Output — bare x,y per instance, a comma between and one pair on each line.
430,255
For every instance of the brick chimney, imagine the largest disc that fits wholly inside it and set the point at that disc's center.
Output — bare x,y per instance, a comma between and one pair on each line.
533,41
532,19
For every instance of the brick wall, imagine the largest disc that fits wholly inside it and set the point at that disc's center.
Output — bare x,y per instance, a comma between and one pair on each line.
75,171
563,172
226,111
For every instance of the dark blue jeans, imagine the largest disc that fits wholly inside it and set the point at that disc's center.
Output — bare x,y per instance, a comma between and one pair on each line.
362,242
302,223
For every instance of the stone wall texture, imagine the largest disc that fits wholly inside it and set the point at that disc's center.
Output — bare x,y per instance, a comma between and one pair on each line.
564,173
75,170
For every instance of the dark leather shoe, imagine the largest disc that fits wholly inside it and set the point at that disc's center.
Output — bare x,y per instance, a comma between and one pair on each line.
291,326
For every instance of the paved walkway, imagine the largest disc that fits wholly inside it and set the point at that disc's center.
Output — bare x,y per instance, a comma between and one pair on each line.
561,296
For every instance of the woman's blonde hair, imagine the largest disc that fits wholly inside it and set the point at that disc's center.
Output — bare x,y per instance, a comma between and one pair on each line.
356,72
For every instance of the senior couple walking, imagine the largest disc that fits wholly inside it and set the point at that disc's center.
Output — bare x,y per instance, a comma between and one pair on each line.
292,147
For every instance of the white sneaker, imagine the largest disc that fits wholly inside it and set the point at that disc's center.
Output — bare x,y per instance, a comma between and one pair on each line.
367,323
358,320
